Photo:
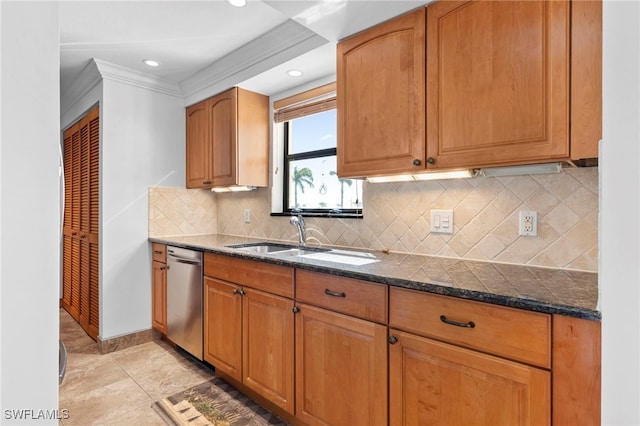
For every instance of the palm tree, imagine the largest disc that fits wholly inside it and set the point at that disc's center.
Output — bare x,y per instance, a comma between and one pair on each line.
349,182
301,178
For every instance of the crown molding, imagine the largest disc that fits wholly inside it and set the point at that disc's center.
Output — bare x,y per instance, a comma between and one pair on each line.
97,70
131,77
88,78
282,43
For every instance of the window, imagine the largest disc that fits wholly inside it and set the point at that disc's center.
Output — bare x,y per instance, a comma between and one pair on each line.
310,184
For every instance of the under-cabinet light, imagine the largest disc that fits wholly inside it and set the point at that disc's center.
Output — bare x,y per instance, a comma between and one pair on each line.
454,174
233,188
529,169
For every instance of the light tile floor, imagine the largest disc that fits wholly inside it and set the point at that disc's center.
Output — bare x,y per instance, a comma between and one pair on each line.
119,388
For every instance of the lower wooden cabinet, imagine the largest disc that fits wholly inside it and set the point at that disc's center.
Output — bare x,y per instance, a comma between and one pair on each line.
223,326
248,335
434,383
341,369
159,297
159,288
349,352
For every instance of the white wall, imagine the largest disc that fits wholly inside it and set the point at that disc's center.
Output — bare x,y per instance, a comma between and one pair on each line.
620,215
29,222
143,144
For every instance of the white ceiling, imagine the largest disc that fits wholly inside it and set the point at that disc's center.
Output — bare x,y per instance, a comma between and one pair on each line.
192,38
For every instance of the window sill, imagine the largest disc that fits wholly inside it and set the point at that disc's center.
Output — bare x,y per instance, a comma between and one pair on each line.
322,214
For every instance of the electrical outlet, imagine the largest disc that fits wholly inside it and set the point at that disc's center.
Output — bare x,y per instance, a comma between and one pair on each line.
247,216
528,225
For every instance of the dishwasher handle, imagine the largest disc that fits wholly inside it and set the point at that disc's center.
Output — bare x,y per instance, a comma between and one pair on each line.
187,261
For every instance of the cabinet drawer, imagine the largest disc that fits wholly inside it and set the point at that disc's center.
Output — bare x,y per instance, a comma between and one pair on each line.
361,299
512,333
274,279
159,252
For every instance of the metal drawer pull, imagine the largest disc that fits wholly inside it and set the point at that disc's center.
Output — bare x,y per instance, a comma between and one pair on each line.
157,252
469,324
334,293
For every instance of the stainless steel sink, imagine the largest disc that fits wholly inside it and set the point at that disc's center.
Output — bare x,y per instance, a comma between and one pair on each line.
261,247
299,251
318,253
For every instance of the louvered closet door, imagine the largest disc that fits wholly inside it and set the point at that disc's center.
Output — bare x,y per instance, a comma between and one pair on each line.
71,248
90,317
81,223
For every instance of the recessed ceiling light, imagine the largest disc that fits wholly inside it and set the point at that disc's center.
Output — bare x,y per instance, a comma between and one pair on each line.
237,3
294,73
151,62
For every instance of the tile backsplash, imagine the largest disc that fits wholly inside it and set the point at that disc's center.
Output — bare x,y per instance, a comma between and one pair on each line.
396,217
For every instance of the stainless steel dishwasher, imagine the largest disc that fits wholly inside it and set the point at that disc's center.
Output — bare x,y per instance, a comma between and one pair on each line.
184,299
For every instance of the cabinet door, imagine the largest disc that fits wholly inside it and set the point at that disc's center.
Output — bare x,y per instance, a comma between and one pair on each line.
223,127
341,369
223,327
159,297
434,383
267,331
198,149
380,98
497,82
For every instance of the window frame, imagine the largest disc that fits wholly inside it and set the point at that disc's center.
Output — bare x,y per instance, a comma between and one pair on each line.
289,109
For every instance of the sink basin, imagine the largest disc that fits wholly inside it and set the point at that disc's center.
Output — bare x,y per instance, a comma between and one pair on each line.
277,249
340,256
317,253
300,251
262,247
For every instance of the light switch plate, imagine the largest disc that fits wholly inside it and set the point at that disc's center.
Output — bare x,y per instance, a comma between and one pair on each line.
442,221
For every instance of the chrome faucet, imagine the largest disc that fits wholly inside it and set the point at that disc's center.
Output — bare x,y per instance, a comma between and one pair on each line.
298,221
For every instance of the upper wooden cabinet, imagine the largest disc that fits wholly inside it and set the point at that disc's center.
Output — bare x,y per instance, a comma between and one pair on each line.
497,82
380,98
228,140
471,84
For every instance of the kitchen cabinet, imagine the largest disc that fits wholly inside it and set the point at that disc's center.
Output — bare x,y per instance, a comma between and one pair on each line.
227,140
319,348
435,383
381,98
586,79
249,325
159,288
341,360
497,82
576,373
80,248
471,84
453,361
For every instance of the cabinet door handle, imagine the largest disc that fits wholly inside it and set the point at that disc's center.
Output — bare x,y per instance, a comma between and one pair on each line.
431,160
392,340
206,182
334,293
157,252
417,162
469,324
295,309
238,291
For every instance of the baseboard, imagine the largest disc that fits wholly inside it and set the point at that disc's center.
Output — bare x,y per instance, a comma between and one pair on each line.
128,340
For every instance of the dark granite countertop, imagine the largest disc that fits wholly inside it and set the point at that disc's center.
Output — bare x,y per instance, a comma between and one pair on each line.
547,290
